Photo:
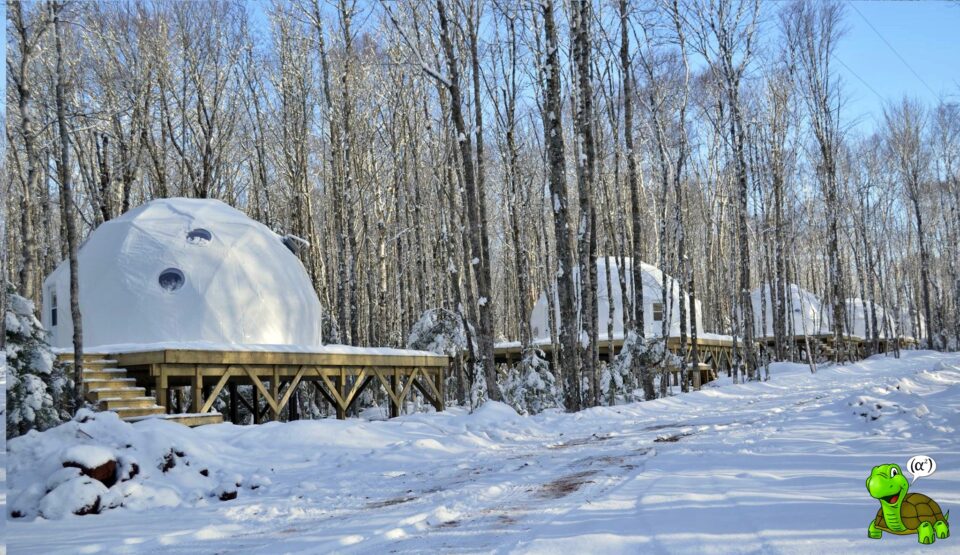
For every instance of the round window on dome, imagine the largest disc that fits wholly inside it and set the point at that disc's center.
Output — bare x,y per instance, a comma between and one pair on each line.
199,236
171,279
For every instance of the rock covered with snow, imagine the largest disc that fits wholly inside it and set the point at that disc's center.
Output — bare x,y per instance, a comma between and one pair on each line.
93,461
185,270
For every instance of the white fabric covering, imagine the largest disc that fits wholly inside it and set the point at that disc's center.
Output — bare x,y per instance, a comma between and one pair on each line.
857,314
804,311
241,286
652,293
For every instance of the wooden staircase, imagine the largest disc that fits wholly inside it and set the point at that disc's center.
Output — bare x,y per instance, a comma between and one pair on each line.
110,389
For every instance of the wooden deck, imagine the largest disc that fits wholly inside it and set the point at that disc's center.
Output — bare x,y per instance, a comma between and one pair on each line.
823,346
339,377
716,355
713,356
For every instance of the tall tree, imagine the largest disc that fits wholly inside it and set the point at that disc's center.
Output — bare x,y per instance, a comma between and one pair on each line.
474,196
813,30
905,126
65,177
552,114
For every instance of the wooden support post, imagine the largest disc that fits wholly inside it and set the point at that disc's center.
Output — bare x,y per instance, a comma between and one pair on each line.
256,405
234,413
275,389
161,388
197,390
341,383
394,400
695,377
438,377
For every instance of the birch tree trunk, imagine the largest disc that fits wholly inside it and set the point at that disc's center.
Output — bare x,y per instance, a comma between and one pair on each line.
473,197
66,201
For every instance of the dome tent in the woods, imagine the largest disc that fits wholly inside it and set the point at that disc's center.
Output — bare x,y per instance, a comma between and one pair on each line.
185,270
859,321
803,312
653,309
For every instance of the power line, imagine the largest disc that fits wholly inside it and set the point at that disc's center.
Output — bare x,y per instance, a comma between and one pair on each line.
892,49
854,73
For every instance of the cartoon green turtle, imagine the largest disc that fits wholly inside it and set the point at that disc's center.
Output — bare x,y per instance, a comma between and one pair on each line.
902,513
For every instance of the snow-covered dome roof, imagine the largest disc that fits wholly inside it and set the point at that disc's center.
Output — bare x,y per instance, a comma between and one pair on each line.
804,313
911,324
857,313
185,270
652,295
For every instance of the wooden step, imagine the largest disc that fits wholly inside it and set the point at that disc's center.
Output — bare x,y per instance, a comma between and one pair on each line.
97,395
116,403
103,374
94,363
111,383
139,411
193,420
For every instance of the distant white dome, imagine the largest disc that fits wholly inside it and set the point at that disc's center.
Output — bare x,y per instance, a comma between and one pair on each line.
185,270
857,314
804,311
652,303
911,324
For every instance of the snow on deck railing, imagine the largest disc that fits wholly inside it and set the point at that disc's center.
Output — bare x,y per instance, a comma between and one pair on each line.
601,338
123,348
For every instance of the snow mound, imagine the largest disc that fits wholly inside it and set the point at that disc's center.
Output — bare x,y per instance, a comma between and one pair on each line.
80,495
153,463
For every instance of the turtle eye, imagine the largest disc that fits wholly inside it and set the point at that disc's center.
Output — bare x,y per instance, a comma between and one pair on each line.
894,472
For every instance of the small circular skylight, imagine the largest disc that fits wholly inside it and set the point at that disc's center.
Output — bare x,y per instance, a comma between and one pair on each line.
199,236
171,279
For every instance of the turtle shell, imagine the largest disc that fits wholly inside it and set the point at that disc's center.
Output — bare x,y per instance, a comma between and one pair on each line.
915,509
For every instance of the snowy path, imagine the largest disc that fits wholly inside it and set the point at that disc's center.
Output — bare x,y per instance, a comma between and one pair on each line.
763,467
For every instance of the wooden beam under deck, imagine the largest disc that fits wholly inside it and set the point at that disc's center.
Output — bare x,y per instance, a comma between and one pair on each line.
164,369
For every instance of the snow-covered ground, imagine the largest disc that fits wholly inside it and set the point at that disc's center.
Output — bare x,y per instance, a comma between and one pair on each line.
3,450
762,467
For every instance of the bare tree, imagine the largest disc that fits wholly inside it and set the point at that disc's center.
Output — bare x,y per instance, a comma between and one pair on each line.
905,124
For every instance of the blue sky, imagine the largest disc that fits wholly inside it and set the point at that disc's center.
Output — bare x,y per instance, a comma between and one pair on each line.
925,34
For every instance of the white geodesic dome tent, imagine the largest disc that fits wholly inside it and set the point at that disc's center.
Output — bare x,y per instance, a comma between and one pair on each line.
911,324
185,270
653,280
857,314
804,313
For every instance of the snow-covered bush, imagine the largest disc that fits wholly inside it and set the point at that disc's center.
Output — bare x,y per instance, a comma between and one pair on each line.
530,386
439,331
38,391
619,382
442,332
